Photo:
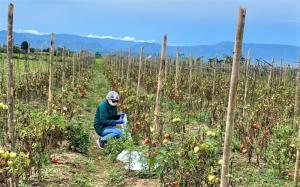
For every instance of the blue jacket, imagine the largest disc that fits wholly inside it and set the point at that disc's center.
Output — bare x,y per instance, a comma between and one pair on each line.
105,116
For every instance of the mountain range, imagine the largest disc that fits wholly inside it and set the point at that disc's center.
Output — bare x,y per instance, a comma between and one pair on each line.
288,53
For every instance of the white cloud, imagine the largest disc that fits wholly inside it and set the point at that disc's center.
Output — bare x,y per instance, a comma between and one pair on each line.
124,38
30,31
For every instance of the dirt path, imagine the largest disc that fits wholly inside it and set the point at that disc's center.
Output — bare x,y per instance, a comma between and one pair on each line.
81,169
100,87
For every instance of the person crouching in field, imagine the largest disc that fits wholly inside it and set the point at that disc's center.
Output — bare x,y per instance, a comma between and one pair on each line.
107,121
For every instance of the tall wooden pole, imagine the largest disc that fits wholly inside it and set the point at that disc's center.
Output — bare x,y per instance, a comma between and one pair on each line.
166,73
50,96
270,75
296,124
26,68
18,68
73,70
177,72
80,58
214,78
157,124
63,77
232,98
10,79
122,68
296,106
213,88
190,75
28,58
1,73
140,68
246,82
41,59
118,65
128,67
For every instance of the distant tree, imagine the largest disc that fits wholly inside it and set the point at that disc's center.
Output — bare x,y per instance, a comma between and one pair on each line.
243,60
24,46
199,58
227,59
98,54
46,50
212,60
59,50
32,50
16,49
3,49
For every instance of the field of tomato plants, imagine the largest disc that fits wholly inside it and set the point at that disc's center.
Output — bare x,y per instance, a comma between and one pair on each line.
192,113
193,121
37,129
193,109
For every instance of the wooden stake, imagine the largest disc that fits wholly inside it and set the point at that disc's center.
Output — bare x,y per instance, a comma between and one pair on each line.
128,67
118,65
2,74
41,59
63,77
10,79
157,124
232,98
26,68
270,75
122,68
214,79
18,69
177,73
246,83
73,70
190,75
80,58
50,96
140,68
296,124
297,95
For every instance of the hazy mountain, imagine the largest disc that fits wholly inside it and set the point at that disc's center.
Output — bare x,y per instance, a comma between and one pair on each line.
265,51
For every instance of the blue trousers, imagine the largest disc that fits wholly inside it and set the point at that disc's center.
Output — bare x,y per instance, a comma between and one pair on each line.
111,132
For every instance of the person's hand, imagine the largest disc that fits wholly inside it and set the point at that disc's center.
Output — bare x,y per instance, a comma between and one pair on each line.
118,126
120,121
122,115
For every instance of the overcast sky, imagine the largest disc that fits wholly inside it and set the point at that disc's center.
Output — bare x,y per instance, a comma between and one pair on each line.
187,22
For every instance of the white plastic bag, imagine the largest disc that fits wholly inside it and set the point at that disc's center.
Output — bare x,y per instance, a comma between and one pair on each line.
132,160
127,133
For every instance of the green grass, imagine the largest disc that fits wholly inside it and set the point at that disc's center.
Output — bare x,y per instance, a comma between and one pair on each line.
100,86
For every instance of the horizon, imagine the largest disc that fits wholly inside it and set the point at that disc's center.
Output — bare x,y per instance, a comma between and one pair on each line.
37,33
187,23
